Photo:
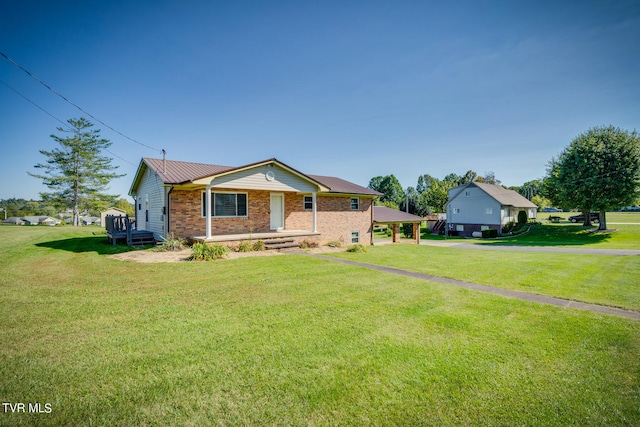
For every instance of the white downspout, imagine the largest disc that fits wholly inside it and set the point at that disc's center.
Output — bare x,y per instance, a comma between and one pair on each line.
315,212
208,208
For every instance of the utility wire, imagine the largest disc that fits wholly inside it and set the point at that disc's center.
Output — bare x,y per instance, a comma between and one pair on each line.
66,125
74,104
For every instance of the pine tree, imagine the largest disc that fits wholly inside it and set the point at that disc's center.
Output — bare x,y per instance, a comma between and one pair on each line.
76,172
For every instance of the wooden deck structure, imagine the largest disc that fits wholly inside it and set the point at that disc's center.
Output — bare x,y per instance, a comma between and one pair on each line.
120,227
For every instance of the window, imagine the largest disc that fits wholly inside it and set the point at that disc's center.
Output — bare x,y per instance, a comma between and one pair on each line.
355,237
308,203
355,204
488,211
226,204
459,227
456,210
484,227
467,193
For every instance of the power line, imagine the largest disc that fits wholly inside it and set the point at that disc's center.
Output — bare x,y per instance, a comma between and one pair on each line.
55,118
74,104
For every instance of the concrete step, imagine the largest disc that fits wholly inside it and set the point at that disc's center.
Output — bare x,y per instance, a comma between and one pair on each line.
282,245
278,241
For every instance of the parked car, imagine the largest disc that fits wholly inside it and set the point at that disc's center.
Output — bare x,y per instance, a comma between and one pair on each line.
595,217
552,210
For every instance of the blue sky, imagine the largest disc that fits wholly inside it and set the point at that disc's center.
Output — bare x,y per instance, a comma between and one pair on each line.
350,89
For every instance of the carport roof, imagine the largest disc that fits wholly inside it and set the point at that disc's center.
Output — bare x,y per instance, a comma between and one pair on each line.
385,215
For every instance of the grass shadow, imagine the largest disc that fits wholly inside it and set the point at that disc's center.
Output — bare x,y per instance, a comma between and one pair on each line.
555,235
97,244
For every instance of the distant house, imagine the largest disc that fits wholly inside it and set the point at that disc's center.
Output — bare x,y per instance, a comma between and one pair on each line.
477,206
260,200
39,220
90,220
14,220
110,211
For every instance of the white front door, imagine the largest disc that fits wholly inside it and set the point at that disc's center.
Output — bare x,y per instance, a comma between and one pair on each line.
277,211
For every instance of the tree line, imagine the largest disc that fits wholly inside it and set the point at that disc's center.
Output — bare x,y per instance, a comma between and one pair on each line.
598,171
16,207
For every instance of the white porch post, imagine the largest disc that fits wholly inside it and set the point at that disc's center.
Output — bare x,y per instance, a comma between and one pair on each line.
315,212
208,208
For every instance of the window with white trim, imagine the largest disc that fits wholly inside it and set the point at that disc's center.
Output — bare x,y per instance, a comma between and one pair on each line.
355,204
456,210
488,211
459,227
226,204
355,237
308,203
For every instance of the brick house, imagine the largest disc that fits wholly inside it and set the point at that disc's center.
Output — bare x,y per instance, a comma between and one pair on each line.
254,201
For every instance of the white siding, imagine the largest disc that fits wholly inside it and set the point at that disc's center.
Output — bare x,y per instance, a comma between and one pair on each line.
257,179
150,186
473,204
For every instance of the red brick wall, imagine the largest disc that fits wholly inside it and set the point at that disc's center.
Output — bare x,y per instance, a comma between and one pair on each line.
186,215
335,219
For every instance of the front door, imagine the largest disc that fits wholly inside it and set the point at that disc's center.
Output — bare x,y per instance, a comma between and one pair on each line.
277,211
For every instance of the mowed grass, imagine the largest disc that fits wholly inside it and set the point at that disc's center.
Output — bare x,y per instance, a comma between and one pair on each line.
291,340
598,279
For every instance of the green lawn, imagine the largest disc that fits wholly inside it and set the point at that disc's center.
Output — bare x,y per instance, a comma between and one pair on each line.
291,340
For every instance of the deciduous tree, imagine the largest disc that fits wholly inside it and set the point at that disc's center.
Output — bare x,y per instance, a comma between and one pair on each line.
598,170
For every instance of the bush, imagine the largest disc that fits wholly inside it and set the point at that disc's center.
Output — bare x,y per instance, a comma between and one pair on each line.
407,230
356,248
259,246
389,232
245,246
305,244
489,233
522,217
171,244
207,252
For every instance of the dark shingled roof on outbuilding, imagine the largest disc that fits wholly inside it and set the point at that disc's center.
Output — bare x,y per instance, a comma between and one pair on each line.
383,214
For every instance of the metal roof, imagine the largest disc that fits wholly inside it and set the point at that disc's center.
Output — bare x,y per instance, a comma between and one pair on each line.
178,172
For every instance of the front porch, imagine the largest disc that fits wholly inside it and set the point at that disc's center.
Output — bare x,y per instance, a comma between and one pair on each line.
295,236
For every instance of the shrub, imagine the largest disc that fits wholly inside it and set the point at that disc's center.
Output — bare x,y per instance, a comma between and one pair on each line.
522,217
171,244
508,227
305,244
245,246
356,248
207,252
259,246
489,233
389,232
407,230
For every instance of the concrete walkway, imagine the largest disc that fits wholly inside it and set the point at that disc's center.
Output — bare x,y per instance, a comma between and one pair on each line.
543,249
489,289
